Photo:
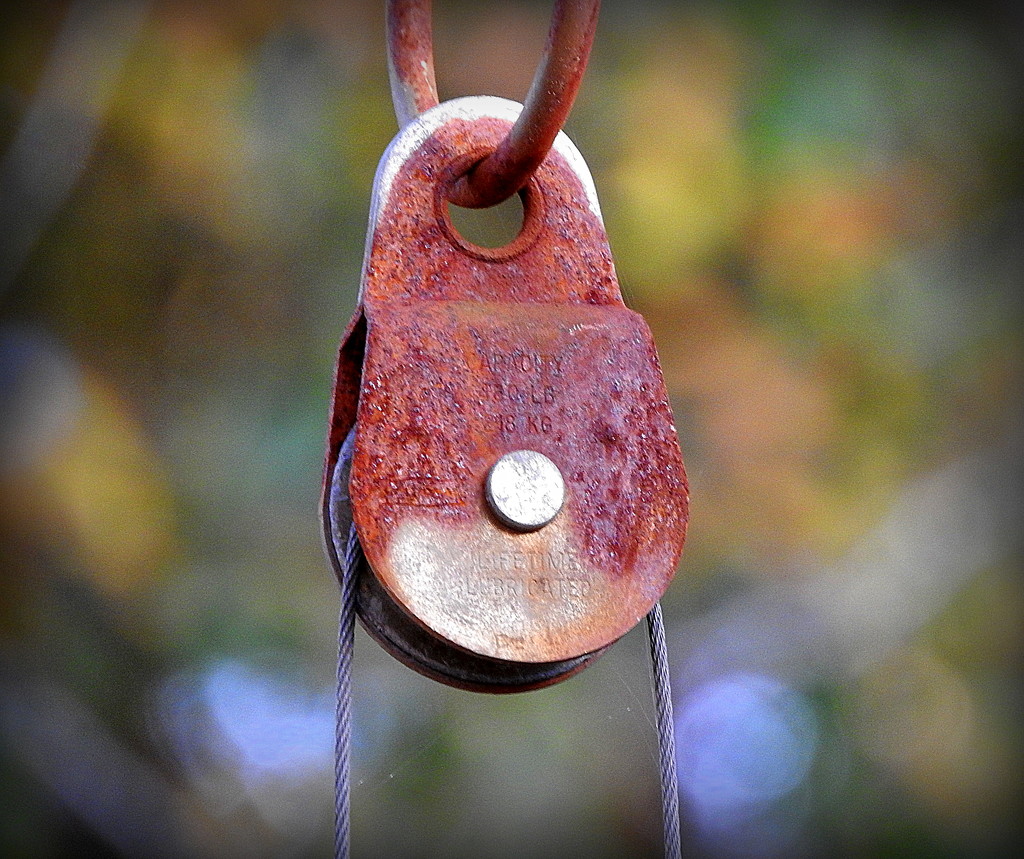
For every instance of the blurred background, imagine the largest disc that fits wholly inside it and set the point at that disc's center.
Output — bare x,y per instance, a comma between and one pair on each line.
817,207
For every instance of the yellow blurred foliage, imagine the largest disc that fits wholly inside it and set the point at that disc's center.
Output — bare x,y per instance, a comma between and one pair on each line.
919,718
765,422
675,159
823,232
182,104
99,498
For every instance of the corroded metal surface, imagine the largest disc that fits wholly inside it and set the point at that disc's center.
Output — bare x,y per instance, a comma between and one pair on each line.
411,643
473,353
547,105
410,58
504,169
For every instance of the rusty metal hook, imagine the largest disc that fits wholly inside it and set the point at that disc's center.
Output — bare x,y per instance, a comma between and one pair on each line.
506,170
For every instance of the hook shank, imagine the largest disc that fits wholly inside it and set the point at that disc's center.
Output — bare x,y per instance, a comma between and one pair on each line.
507,169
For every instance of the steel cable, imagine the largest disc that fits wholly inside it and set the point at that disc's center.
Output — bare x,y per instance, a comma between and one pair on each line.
343,712
662,690
666,732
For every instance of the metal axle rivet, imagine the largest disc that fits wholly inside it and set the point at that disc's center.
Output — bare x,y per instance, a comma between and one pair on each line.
525,490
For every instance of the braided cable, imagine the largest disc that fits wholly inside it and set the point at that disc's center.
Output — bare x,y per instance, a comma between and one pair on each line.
343,712
666,732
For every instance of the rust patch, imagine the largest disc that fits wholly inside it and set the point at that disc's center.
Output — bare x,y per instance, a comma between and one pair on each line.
472,353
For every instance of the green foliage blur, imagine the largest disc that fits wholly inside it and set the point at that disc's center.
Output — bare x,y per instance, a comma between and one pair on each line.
817,207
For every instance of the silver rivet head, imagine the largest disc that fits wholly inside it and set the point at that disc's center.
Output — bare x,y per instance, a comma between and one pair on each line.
525,490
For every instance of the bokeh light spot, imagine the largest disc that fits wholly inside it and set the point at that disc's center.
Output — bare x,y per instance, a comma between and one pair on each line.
272,727
745,740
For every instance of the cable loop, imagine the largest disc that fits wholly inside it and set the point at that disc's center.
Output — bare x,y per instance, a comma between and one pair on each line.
507,169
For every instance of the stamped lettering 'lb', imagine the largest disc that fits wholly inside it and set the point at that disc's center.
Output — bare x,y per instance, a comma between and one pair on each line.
500,434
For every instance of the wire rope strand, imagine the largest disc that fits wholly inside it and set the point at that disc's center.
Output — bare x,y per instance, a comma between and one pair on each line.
343,712
666,732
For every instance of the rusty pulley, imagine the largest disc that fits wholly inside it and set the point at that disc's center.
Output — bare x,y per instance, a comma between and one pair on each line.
514,474
504,495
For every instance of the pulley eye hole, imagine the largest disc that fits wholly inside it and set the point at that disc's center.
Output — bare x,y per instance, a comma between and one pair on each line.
493,227
493,233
